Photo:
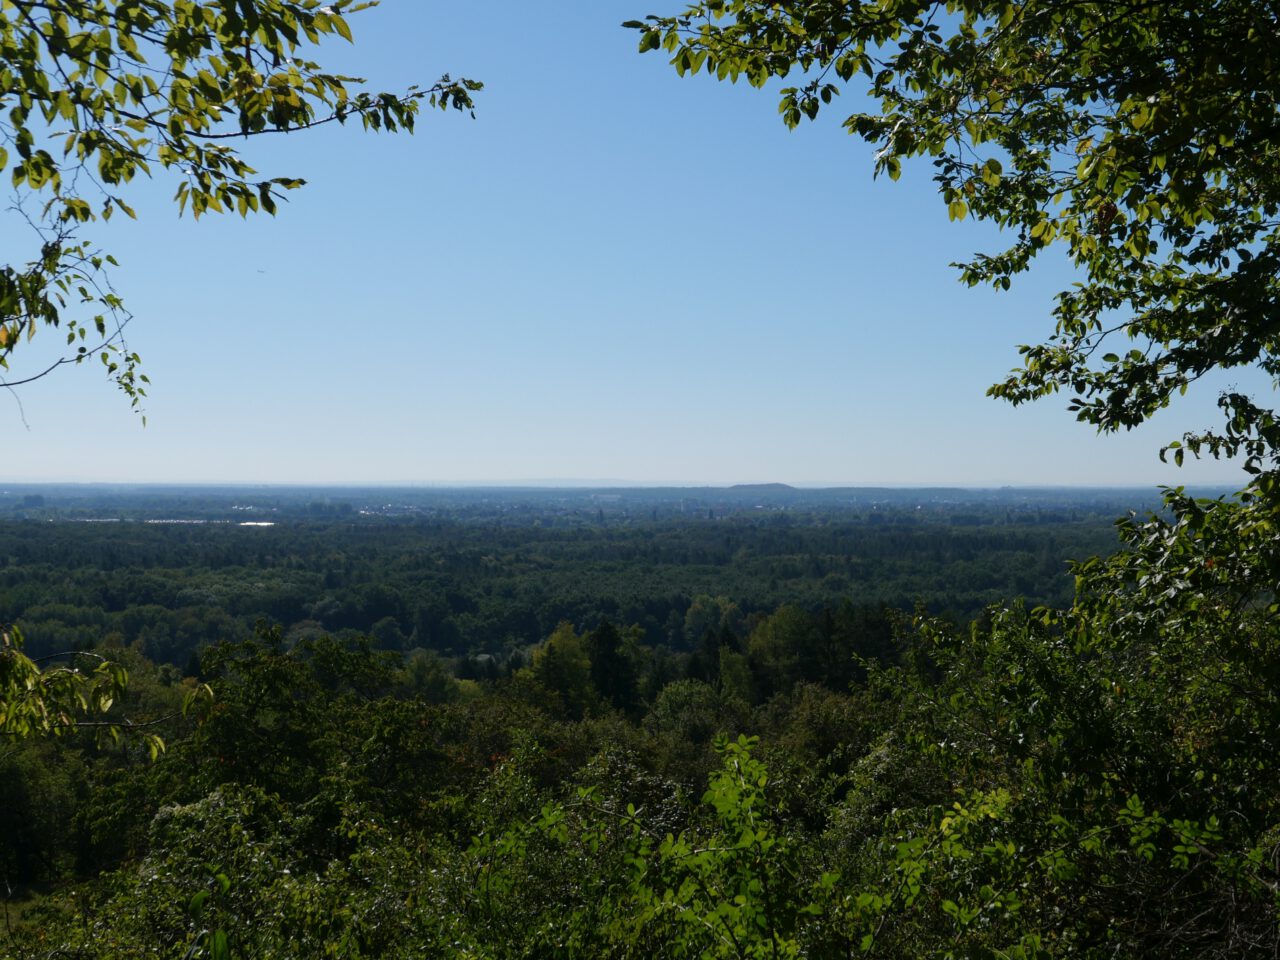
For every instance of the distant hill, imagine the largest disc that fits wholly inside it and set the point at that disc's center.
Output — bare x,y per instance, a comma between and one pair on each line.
763,487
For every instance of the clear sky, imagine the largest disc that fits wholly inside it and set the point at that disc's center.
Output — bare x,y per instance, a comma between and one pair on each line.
611,273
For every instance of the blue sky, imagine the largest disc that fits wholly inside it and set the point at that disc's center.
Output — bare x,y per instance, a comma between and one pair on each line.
611,273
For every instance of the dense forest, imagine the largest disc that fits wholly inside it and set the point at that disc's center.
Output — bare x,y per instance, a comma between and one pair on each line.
492,579
688,773
822,780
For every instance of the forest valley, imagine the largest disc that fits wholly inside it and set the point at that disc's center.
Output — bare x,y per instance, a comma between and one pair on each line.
682,775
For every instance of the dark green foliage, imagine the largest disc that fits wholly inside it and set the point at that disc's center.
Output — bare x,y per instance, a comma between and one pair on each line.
40,791
614,671
463,587
1043,784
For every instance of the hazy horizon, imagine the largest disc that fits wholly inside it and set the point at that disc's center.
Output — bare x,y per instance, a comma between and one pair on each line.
569,483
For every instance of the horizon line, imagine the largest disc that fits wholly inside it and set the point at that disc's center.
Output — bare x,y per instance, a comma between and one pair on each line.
568,483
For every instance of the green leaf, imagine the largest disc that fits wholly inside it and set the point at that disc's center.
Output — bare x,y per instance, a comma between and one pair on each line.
219,946
196,906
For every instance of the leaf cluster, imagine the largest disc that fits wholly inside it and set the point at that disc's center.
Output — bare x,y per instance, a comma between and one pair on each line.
97,94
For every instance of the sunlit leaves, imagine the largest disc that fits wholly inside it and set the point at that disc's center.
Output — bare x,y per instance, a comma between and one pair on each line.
53,700
1137,138
101,93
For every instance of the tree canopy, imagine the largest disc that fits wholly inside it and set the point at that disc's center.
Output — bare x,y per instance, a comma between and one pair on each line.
97,94
1119,748
1139,137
